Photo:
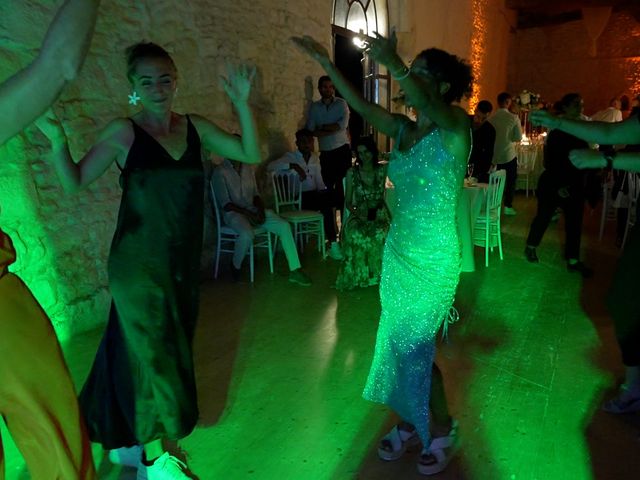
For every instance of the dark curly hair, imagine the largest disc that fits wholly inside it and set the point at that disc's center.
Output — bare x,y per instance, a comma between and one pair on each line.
449,68
143,50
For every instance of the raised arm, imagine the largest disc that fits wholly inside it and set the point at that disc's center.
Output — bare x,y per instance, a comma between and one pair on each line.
113,144
26,95
595,132
247,147
381,119
419,85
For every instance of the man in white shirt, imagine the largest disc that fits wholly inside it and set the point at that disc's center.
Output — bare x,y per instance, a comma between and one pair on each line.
242,209
508,131
328,120
610,114
315,195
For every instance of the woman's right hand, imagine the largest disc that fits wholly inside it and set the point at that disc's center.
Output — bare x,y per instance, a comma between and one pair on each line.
237,83
383,50
49,124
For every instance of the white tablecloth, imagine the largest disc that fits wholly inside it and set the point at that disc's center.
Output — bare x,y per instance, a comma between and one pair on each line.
469,207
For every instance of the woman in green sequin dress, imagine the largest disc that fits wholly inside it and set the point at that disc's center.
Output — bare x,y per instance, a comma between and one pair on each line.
366,227
421,264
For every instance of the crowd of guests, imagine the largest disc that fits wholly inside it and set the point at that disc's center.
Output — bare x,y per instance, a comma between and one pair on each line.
330,182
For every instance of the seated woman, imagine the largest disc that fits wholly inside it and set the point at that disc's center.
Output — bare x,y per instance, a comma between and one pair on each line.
367,223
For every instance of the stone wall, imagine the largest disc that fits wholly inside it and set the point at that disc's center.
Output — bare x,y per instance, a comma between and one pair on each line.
63,240
555,60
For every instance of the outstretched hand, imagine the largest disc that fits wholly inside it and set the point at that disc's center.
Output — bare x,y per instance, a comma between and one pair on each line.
382,50
587,158
237,83
543,118
312,47
49,124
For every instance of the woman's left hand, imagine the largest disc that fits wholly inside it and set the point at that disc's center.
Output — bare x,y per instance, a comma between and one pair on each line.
587,158
237,83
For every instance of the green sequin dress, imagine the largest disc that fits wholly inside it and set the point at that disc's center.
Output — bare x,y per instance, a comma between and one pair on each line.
363,235
420,272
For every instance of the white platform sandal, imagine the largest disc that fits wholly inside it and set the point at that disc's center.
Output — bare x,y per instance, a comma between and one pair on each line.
395,443
437,456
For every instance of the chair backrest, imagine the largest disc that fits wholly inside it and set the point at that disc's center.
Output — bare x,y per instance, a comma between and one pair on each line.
287,190
496,189
527,158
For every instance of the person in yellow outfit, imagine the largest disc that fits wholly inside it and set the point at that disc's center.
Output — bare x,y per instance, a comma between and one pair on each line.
37,397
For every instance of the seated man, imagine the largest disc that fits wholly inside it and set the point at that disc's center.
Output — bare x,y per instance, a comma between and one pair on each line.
237,196
315,195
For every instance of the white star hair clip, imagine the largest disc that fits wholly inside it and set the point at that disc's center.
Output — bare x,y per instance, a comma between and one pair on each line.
134,98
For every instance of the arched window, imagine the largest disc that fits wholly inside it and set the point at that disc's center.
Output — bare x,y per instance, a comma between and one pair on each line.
352,18
366,15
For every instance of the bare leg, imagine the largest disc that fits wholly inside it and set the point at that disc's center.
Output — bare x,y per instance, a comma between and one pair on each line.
440,417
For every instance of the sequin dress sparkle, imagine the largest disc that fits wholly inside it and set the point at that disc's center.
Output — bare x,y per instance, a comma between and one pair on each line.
420,272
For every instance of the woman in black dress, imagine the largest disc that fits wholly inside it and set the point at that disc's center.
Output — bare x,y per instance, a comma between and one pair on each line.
141,388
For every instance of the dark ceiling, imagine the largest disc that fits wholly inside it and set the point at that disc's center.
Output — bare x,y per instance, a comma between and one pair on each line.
540,13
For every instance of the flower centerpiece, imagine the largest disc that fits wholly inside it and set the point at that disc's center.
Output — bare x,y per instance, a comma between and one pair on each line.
527,100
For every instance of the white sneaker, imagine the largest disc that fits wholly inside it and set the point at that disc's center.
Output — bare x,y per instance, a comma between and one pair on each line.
127,456
165,467
335,252
509,211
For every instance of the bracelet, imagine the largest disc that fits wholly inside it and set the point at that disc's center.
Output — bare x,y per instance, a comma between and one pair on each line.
609,155
405,73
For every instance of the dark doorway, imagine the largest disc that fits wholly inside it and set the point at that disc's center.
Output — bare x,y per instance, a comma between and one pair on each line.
348,59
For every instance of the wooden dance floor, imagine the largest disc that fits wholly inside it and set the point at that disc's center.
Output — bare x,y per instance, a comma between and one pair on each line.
281,368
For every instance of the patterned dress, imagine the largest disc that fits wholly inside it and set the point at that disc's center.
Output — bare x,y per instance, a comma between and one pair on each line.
363,236
420,272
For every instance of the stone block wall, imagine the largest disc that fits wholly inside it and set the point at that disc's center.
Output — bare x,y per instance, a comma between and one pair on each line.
555,60
63,240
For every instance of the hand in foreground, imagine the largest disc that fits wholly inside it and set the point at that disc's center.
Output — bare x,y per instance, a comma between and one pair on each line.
587,158
383,50
237,83
312,47
49,124
543,118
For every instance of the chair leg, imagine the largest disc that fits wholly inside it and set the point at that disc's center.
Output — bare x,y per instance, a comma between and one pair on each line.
486,242
499,234
605,207
251,263
271,250
626,229
217,262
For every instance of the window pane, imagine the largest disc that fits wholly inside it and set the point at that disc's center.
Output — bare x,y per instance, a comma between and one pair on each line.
341,10
357,20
